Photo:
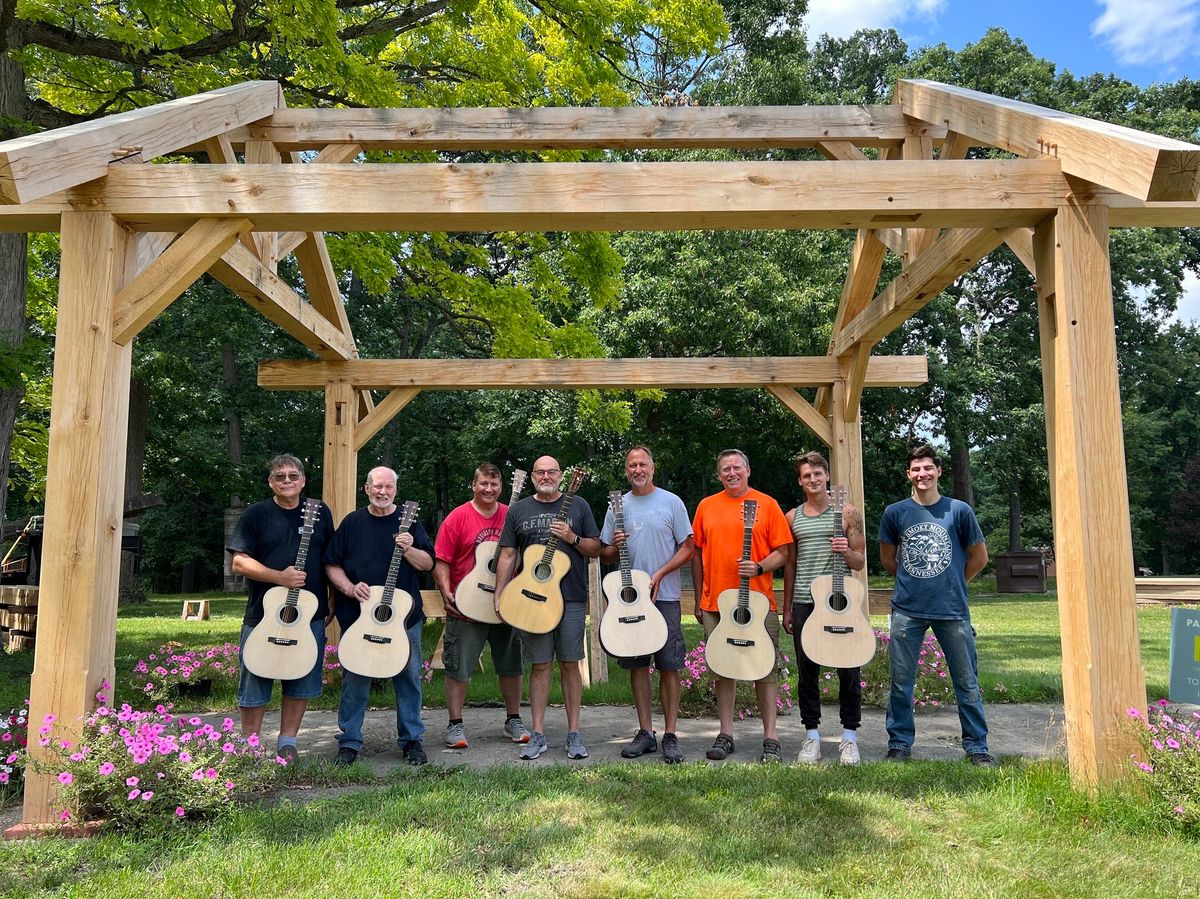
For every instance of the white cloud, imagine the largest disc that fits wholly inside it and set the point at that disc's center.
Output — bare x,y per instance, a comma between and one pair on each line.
1189,303
1142,32
840,18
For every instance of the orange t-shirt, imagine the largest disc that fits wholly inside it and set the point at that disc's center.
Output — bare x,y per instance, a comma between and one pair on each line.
718,532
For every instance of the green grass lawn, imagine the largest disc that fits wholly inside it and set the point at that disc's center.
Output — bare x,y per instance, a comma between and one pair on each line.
926,829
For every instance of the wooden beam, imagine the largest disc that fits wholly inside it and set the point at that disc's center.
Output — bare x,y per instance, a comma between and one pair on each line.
562,128
340,474
383,413
320,283
1142,165
266,243
845,455
918,144
89,413
574,196
334,153
956,146
856,376
1020,241
1102,671
173,272
805,411
583,374
954,253
39,164
1044,275
245,275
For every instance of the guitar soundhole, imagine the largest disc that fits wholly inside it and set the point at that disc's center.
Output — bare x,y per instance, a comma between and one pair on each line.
491,566
742,616
383,614
838,602
629,594
288,614
542,571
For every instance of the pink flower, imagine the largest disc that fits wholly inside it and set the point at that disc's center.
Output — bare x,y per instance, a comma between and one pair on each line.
228,748
131,781
66,777
64,815
180,811
107,768
148,795
134,793
185,757
198,774
211,773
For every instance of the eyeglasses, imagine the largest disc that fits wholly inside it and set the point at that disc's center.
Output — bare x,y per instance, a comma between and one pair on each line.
546,472
281,476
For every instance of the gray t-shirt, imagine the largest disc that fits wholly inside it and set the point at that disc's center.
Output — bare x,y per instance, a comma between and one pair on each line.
655,524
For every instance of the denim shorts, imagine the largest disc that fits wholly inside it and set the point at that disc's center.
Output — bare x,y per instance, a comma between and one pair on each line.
673,654
462,645
564,643
255,691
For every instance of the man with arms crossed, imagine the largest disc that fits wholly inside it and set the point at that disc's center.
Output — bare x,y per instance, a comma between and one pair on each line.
358,559
718,565
477,521
264,546
933,545
812,527
660,543
532,521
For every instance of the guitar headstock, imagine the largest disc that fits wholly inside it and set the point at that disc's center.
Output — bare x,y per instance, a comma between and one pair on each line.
519,477
837,496
614,500
749,512
312,507
578,476
408,514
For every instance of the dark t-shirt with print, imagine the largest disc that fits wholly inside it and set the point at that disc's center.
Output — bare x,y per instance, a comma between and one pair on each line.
528,523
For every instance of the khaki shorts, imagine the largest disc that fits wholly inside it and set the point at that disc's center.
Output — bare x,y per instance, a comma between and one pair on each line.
462,645
710,620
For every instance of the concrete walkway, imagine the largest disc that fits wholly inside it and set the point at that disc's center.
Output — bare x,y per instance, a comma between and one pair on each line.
1029,730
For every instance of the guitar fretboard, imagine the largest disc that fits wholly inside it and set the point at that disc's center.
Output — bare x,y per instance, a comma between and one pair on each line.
407,516
311,507
839,563
623,549
749,514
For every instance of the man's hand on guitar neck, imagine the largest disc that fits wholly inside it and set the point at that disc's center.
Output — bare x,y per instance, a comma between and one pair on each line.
291,577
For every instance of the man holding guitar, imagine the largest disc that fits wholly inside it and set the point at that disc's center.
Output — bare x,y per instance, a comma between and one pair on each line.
534,520
934,546
815,545
477,521
357,559
264,547
719,564
659,537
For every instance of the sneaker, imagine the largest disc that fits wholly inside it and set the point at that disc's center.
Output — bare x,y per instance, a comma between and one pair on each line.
672,754
899,755
288,753
722,748
345,757
848,753
643,743
981,759
515,730
575,747
535,747
456,736
414,753
810,752
772,752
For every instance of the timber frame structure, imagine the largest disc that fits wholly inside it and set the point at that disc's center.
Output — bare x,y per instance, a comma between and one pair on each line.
136,235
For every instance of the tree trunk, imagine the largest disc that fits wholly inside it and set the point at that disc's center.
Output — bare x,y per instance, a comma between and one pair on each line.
1014,518
135,452
960,463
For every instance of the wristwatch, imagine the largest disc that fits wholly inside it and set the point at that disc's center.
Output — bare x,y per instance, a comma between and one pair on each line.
577,539
758,565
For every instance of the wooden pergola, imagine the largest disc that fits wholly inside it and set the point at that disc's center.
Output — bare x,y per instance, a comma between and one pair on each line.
135,236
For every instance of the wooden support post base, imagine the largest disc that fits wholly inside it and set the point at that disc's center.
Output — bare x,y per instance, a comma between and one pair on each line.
195,610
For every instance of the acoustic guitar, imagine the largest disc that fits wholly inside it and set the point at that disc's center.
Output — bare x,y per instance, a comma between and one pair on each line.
475,595
838,632
282,645
376,644
632,625
532,601
739,648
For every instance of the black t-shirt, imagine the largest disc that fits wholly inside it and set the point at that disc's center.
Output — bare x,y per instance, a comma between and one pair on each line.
270,535
528,522
363,547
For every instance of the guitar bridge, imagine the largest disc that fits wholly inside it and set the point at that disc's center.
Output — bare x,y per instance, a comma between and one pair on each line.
485,588
536,597
733,641
375,638
838,629
632,619
281,641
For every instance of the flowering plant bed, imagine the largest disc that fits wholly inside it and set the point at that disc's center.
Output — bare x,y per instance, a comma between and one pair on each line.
174,672
14,730
1170,762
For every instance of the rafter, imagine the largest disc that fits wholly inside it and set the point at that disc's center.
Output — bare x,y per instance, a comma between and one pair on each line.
383,412
805,411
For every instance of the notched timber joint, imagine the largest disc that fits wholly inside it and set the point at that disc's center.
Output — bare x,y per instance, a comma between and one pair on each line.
1046,148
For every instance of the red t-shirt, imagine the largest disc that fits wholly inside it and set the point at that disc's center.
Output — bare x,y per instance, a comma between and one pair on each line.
462,531
718,532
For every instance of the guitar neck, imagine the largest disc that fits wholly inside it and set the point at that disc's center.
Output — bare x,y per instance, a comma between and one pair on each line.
623,549
839,563
563,512
744,582
306,532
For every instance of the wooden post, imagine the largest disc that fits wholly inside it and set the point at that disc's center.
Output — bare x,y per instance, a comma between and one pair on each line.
341,458
845,455
1102,673
85,478
595,663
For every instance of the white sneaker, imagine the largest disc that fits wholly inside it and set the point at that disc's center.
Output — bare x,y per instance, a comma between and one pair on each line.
848,752
810,752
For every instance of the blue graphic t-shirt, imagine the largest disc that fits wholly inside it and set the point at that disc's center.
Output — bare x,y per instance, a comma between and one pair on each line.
931,556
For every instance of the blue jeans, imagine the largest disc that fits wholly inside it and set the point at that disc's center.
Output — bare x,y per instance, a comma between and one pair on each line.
957,640
356,690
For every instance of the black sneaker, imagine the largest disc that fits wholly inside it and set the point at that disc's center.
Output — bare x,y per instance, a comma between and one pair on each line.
414,753
643,743
772,752
722,748
899,755
345,757
672,754
981,759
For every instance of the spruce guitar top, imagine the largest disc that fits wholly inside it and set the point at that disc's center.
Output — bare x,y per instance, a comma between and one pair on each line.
632,625
475,595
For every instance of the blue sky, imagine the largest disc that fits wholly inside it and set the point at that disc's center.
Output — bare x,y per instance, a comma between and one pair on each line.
1144,41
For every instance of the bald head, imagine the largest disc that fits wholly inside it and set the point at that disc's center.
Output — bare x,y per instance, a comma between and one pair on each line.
546,477
380,488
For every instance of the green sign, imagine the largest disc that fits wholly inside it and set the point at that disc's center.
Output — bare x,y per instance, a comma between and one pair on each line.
1185,656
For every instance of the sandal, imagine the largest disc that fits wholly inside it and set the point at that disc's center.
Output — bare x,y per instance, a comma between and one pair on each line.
722,748
772,752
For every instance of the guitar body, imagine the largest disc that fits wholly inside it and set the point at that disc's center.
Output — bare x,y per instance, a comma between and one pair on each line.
741,650
376,644
838,632
282,649
476,593
632,625
532,601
